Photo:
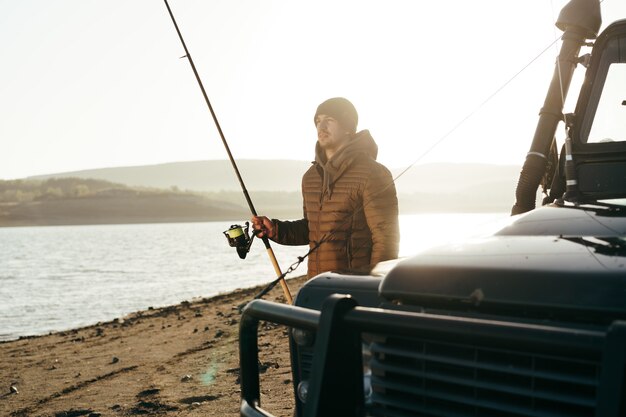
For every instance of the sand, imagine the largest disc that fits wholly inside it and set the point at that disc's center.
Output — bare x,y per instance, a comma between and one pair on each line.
180,360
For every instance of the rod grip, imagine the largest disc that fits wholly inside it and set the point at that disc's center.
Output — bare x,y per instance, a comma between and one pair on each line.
283,284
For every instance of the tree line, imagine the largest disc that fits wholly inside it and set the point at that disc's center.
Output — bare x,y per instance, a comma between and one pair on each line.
25,191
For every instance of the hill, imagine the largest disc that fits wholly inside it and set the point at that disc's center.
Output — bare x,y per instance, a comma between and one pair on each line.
209,191
87,201
427,187
213,176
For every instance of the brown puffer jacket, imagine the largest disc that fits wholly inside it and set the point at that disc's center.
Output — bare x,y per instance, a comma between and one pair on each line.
350,203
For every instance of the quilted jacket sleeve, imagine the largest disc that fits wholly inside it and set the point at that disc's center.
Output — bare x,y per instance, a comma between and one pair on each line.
292,233
295,232
381,213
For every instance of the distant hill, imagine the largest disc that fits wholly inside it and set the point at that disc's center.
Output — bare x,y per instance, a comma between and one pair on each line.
453,178
218,175
276,183
66,201
118,210
285,175
458,188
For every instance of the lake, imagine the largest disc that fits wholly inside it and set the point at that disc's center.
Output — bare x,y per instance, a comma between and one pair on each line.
60,277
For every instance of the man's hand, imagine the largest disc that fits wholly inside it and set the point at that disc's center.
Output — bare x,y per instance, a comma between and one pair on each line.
264,227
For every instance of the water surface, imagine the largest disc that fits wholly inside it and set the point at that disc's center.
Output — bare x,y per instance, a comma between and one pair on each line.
60,277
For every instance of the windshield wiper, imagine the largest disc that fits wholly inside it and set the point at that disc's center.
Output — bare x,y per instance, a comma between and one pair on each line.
611,246
600,208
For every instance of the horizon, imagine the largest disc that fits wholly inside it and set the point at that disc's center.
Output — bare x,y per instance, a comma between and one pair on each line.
94,85
285,176
391,168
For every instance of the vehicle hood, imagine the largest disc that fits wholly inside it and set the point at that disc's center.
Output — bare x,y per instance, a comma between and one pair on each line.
585,274
554,220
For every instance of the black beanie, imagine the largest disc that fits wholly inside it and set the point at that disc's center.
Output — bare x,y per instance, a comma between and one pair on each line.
341,110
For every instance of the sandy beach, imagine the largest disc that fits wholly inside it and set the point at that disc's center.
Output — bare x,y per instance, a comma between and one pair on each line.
180,360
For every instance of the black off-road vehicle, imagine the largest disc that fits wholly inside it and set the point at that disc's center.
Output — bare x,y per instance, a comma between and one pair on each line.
528,322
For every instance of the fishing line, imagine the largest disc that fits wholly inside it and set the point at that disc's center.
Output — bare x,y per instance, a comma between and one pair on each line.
325,238
470,115
462,121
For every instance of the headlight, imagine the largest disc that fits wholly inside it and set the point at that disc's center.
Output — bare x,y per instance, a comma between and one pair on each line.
303,390
303,337
307,338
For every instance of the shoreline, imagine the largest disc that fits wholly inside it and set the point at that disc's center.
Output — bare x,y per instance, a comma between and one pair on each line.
178,360
144,313
279,213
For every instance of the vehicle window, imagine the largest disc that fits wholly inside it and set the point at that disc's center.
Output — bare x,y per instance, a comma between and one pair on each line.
609,122
604,120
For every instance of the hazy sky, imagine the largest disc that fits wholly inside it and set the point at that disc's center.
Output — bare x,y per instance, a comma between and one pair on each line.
93,83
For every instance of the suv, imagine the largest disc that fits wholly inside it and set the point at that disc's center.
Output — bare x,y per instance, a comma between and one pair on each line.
530,321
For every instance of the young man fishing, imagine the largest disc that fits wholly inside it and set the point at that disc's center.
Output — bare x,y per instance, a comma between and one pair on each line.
350,202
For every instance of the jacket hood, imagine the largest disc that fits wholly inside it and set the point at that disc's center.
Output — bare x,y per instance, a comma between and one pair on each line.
362,145
362,142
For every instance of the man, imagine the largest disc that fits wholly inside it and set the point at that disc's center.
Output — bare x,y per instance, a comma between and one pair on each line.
350,202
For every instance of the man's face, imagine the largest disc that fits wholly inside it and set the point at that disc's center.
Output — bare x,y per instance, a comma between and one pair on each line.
330,134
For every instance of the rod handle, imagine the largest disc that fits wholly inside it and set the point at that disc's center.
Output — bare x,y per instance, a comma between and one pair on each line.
283,284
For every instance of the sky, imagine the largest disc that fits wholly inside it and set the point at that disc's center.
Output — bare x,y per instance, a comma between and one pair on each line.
90,84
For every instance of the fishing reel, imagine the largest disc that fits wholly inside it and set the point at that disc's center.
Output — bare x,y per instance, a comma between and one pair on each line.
239,238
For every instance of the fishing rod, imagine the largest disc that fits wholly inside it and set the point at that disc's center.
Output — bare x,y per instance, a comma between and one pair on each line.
266,242
326,237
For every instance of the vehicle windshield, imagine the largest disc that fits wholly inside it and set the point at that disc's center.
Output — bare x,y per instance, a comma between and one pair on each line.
607,118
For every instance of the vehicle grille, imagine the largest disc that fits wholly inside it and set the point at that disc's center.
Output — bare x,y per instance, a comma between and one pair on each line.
421,377
306,362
